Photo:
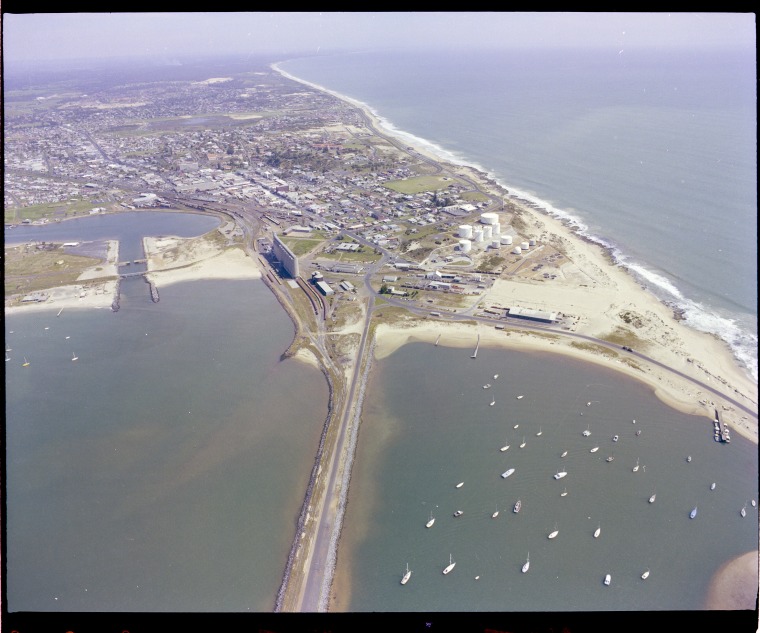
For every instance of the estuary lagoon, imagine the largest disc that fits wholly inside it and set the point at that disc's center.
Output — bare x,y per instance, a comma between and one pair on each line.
428,424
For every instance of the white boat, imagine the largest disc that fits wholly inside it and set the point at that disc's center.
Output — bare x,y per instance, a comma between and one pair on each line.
74,356
26,362
407,575
495,514
458,513
560,474
450,566
526,566
563,493
594,450
638,432
7,358
615,438
744,510
520,397
493,402
495,376
693,513
487,386
636,467
523,443
431,521
587,432
688,459
518,505
516,426
645,575
554,533
564,454
653,497
610,458
460,484
607,579
507,473
598,531
540,432
505,447
712,486
754,503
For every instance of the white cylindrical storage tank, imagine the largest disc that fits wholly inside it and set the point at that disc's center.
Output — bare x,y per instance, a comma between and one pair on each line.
506,239
495,244
517,250
465,246
489,218
524,246
465,231
487,232
477,235
497,229
532,241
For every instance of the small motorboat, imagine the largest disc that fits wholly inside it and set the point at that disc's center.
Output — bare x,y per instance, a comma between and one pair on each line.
564,454
688,459
563,493
598,531
460,484
560,474
507,473
693,513
645,575
712,486
458,513
615,438
607,579
520,397
594,450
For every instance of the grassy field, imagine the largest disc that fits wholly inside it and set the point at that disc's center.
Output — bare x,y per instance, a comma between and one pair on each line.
48,210
28,270
301,245
419,184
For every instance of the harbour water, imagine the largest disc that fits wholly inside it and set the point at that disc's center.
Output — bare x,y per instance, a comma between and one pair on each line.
427,425
651,153
164,470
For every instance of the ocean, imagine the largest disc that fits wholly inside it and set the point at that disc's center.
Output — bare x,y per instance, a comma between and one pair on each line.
650,153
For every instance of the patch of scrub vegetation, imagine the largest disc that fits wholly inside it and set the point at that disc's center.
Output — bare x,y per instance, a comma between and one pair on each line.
594,348
624,337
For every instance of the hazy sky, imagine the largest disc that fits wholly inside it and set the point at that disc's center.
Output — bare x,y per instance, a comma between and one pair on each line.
75,35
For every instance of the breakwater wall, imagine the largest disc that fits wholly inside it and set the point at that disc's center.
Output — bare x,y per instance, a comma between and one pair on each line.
153,290
116,296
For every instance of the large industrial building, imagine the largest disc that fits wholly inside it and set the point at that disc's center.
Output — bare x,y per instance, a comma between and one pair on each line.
533,315
286,257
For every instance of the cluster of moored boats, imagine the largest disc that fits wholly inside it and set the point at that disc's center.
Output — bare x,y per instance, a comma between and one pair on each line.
559,475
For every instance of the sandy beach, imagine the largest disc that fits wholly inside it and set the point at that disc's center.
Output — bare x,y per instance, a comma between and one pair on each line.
173,259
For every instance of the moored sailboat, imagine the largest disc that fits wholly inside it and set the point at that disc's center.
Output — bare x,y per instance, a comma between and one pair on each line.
526,566
450,566
407,575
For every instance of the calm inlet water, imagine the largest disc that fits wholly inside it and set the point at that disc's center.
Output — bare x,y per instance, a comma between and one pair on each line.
164,469
428,425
